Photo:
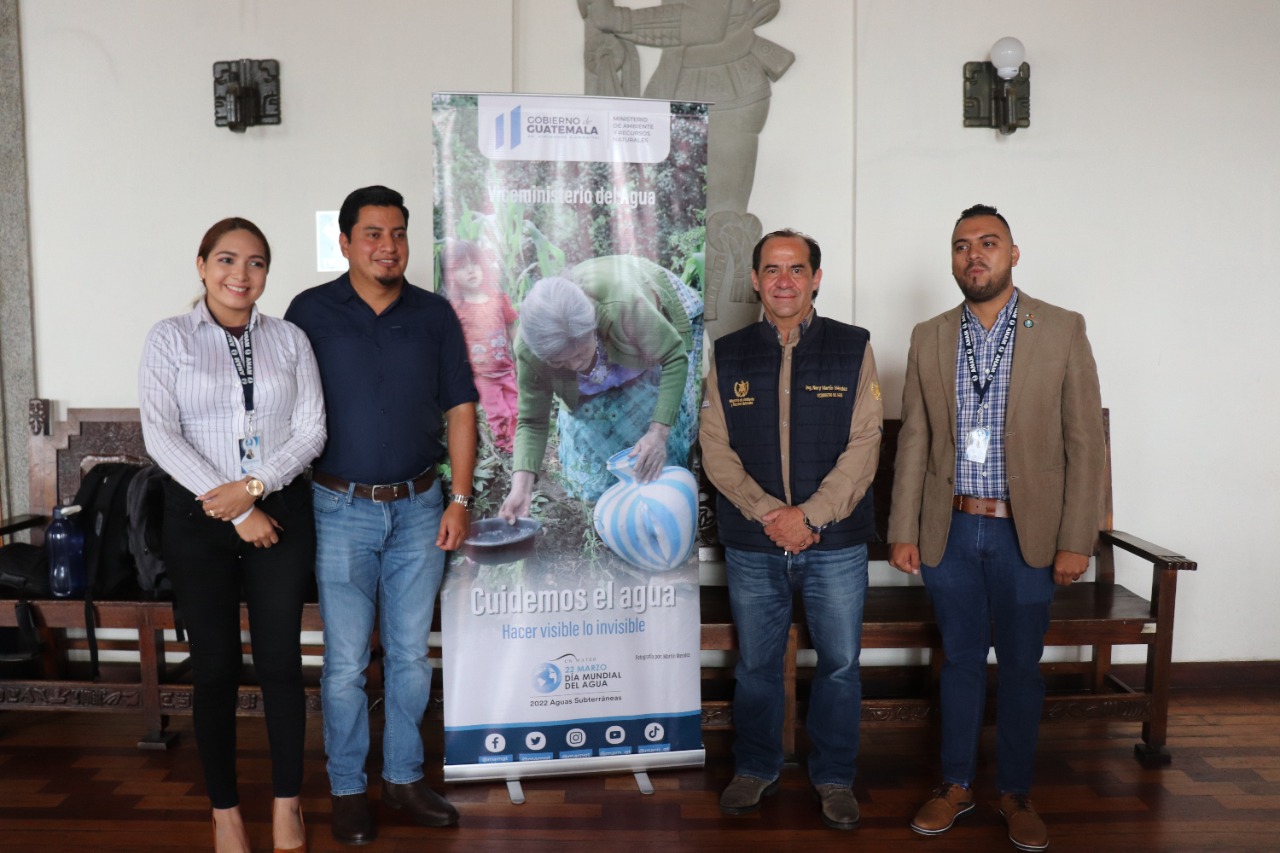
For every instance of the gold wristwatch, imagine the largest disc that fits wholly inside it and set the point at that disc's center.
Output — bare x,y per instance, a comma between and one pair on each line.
254,486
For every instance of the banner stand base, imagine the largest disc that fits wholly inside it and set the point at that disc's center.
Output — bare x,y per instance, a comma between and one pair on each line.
515,791
643,783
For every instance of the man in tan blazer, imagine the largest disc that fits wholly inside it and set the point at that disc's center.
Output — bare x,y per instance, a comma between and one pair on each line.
996,498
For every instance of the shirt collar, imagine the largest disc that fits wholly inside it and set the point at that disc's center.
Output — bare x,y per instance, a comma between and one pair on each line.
803,327
1001,319
202,314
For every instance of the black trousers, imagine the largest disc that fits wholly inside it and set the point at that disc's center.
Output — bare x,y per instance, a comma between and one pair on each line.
211,567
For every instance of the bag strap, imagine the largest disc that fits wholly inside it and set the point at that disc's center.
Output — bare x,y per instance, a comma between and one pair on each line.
28,635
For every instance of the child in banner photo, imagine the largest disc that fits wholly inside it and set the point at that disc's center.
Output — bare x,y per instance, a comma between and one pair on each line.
488,322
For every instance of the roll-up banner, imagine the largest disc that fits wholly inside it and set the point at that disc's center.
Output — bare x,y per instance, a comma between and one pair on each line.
569,239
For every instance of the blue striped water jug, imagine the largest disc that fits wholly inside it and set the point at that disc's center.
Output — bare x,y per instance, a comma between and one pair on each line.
650,525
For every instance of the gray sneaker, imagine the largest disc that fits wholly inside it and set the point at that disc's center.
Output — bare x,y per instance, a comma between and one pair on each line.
743,794
839,806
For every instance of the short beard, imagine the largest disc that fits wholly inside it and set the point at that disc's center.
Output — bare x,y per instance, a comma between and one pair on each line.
389,280
979,293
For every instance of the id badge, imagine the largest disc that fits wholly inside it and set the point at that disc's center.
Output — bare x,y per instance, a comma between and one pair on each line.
975,447
250,453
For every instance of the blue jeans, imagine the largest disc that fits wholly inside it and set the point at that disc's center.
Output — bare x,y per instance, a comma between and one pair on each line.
370,554
833,586
982,590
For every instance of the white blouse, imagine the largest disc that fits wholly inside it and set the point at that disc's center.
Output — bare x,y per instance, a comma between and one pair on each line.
193,408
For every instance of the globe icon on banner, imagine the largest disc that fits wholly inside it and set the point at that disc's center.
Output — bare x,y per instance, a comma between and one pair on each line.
546,678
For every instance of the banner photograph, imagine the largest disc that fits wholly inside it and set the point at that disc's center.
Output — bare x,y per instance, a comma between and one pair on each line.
569,238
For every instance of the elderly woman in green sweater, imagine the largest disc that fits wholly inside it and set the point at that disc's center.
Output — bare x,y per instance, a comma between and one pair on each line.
617,342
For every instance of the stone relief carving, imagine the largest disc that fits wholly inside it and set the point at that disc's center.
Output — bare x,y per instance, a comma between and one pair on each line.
709,52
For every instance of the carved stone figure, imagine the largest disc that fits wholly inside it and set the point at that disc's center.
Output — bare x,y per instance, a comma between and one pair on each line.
710,52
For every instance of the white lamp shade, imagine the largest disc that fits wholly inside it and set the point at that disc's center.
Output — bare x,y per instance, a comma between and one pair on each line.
1007,55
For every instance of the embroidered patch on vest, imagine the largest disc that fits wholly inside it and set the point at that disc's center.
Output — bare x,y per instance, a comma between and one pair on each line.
740,390
822,391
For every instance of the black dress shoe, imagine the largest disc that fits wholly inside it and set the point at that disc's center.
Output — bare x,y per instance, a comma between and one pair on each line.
352,820
425,805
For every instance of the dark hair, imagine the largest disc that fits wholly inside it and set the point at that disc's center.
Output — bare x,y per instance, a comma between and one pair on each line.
815,251
984,210
225,226
456,252
375,196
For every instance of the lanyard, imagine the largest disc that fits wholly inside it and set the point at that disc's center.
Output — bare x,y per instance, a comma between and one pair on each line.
980,387
244,367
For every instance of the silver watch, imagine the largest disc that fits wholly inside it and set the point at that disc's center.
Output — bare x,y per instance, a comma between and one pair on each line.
467,501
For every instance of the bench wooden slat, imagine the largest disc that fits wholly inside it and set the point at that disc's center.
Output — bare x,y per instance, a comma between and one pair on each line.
1096,615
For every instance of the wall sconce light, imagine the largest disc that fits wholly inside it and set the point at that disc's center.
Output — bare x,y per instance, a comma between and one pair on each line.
998,93
246,92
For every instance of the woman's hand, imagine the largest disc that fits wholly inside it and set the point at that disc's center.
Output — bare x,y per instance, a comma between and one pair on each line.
518,499
228,501
259,529
650,452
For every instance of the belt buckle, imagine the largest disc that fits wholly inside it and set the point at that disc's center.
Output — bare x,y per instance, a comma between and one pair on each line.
373,493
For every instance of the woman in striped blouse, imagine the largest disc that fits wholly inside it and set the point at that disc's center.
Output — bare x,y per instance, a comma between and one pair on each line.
232,410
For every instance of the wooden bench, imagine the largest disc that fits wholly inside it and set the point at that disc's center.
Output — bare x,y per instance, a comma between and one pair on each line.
1097,614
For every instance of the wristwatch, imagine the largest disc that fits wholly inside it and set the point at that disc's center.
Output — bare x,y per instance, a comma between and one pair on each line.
467,501
812,528
254,486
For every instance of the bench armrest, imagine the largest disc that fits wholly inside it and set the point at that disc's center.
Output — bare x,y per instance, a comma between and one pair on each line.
1162,558
21,522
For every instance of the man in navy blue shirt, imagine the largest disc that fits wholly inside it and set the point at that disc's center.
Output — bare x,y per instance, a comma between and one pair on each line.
394,367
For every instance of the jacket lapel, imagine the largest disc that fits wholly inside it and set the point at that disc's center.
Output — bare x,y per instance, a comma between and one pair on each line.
1026,342
948,332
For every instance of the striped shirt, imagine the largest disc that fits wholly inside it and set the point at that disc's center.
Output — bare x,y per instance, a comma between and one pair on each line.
192,404
988,479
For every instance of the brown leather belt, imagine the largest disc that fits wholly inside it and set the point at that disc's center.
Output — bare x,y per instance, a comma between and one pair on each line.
989,507
380,494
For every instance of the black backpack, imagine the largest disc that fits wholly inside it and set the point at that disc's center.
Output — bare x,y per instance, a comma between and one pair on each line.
110,570
146,520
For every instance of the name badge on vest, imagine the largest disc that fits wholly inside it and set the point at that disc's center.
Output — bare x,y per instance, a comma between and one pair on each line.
975,446
250,453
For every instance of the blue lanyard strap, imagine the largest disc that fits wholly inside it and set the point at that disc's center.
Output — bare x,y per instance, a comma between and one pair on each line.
244,367
982,383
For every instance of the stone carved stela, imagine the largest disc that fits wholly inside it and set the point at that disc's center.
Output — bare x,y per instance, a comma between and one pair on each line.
709,52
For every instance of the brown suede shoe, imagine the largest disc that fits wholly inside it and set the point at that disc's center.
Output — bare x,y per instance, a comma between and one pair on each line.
938,814
352,821
425,806
839,806
743,794
1026,830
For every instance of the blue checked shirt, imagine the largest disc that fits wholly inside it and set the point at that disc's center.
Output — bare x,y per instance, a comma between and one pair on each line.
987,480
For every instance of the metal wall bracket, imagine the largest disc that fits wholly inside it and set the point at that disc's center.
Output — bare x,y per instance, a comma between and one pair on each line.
246,92
992,102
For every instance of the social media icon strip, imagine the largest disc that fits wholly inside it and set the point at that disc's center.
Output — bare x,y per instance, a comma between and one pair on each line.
615,734
654,732
575,738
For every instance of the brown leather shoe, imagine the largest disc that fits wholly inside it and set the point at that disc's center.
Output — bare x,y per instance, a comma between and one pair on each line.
938,814
352,820
425,806
1026,830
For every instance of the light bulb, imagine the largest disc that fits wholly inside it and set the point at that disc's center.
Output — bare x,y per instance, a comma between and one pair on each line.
1007,55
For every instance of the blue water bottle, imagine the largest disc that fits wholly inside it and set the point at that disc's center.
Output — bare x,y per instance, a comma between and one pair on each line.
65,543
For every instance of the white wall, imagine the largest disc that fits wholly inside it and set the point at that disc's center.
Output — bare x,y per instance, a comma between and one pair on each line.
1145,194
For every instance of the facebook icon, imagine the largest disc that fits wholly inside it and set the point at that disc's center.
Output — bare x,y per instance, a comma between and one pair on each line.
495,743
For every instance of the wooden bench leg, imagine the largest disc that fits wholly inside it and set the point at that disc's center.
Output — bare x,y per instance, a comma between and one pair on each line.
789,716
151,662
1152,752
